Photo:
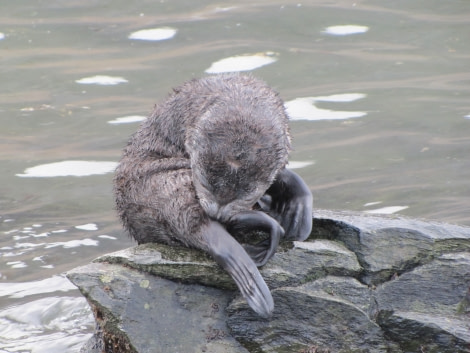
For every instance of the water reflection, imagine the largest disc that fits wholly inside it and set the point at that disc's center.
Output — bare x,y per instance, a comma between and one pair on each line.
345,30
36,246
128,119
387,210
305,108
47,325
69,168
299,164
154,34
48,285
101,80
246,62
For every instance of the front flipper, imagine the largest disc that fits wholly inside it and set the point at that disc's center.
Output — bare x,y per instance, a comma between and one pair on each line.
290,202
229,254
252,220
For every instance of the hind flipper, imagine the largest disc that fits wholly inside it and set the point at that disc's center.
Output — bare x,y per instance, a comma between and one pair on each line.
258,251
290,202
257,220
229,254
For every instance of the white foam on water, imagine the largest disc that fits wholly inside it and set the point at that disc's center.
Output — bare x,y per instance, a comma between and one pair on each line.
388,210
244,62
101,80
88,226
304,108
344,30
154,34
69,168
127,119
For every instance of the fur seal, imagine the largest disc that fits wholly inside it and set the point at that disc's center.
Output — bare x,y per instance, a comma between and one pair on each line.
208,163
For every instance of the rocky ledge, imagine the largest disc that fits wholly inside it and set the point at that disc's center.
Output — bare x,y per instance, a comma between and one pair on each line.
360,283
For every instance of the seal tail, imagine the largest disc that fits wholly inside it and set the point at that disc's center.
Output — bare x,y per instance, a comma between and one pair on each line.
229,254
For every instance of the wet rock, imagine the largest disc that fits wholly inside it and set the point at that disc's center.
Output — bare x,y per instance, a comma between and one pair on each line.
417,332
181,264
386,246
345,288
95,344
305,317
423,308
302,262
360,283
139,312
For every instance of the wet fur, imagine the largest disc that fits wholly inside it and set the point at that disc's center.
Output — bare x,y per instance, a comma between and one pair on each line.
195,168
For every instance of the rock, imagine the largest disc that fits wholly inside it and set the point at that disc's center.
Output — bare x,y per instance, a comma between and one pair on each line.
418,332
306,261
360,283
139,312
330,323
386,246
346,288
422,308
181,264
95,344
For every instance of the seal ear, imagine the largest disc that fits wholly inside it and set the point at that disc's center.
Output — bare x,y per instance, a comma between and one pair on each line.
290,202
229,254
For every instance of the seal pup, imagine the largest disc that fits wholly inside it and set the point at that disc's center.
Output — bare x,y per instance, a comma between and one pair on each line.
209,163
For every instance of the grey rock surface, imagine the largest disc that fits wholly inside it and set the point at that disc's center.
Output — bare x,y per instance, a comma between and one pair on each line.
424,307
337,324
139,312
386,246
360,283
